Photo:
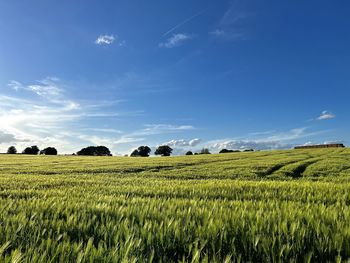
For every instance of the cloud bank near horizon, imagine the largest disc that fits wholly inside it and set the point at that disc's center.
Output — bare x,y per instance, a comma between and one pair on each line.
41,113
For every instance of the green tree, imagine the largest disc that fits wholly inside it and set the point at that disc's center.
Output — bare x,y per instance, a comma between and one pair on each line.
95,151
49,151
144,151
164,150
12,150
135,153
34,150
205,151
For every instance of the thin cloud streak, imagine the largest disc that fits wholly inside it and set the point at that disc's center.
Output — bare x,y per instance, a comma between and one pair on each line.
176,40
182,23
232,25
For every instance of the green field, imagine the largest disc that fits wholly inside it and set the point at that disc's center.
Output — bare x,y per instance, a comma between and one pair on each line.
278,206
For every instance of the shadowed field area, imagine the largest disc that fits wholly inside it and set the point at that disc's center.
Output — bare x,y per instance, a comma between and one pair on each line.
261,207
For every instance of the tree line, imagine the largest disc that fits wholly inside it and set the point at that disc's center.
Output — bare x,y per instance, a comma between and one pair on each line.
142,151
33,150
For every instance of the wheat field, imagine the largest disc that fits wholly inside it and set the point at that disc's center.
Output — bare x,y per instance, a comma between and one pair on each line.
276,206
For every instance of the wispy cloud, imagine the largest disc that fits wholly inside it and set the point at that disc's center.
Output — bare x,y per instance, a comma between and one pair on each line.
218,33
128,139
160,128
48,89
262,133
326,115
293,134
176,40
187,20
228,34
105,130
232,25
35,121
150,82
237,12
42,113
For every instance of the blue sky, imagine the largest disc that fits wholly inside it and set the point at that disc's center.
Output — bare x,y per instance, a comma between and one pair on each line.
191,74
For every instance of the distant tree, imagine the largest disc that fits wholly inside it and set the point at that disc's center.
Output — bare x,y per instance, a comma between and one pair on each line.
249,150
12,150
49,151
205,151
144,151
229,151
163,150
34,150
189,153
135,153
95,151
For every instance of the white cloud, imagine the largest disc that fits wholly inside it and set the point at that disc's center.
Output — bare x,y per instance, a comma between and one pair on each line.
326,115
105,40
246,144
183,143
176,40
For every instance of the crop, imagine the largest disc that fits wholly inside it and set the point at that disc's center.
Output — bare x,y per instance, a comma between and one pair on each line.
278,206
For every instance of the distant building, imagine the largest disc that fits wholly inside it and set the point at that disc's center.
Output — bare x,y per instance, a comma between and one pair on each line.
331,145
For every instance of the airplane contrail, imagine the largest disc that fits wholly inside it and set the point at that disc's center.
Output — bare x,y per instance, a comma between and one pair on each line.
182,23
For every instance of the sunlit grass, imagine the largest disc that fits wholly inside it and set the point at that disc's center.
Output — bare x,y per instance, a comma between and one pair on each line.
260,207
